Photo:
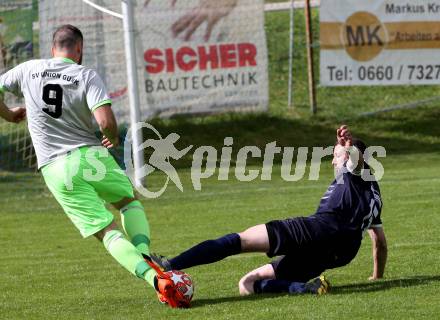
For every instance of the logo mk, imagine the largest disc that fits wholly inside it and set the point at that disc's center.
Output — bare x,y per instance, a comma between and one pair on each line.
364,36
369,33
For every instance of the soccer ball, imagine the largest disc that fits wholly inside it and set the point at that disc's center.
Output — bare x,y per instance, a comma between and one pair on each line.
184,287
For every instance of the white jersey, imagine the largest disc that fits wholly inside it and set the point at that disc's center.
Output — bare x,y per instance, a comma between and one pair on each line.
60,97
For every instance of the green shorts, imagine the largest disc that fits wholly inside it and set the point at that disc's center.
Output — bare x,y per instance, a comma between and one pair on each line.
82,182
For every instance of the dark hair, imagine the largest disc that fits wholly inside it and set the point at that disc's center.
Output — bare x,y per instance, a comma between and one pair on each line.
66,37
360,145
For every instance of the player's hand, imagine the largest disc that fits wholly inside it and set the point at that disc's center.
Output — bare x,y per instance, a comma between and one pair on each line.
344,136
208,10
109,144
16,115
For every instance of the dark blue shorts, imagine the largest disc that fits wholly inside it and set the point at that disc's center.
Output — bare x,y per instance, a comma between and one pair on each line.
307,248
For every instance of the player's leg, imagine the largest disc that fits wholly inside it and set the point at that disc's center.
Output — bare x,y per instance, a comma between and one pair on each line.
274,238
289,273
283,276
246,283
130,258
269,279
135,223
115,188
125,253
293,274
254,239
86,210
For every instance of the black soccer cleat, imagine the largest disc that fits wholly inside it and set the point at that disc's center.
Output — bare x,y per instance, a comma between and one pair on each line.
318,286
161,261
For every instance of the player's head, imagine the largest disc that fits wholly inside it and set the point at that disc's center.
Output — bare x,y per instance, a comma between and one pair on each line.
340,154
67,41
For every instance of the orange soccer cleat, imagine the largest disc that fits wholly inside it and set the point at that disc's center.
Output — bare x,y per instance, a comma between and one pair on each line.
164,285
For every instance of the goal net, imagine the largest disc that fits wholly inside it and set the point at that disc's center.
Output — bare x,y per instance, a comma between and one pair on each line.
186,64
18,43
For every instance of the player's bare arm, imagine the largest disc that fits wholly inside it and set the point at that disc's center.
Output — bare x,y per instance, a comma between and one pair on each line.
107,124
14,115
380,252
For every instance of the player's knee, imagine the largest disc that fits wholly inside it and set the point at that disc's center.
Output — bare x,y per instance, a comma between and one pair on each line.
246,242
247,238
255,239
123,203
246,286
101,234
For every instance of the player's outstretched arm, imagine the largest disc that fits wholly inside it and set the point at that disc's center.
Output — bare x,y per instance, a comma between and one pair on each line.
14,115
107,124
380,252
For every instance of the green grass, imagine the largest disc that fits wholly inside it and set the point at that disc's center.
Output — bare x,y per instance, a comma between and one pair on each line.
48,272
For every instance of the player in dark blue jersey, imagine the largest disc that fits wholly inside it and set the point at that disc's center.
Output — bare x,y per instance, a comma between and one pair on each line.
307,246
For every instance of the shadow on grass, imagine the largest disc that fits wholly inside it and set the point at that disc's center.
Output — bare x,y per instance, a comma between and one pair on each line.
365,287
211,301
384,284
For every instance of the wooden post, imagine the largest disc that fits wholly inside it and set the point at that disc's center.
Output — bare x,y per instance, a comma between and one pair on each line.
291,35
309,40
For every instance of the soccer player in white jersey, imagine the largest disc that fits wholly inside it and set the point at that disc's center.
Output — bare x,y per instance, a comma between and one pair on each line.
61,96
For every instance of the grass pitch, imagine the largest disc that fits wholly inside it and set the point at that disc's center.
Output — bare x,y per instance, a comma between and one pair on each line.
48,272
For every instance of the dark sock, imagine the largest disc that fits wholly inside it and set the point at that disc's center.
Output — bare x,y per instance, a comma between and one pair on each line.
278,286
156,284
207,252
